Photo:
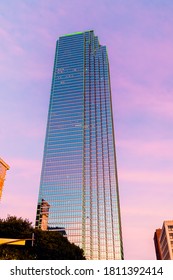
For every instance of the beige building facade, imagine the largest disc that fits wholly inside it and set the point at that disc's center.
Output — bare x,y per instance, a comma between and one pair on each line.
165,241
3,169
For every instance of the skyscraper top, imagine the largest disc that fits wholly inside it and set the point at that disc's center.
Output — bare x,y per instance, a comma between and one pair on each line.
76,33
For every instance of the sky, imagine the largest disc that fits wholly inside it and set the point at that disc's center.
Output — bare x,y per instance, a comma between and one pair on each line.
139,39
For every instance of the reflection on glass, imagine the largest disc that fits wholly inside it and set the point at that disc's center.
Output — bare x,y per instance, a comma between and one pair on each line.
79,177
42,215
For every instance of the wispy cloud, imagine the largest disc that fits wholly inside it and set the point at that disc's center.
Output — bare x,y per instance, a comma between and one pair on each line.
21,188
153,149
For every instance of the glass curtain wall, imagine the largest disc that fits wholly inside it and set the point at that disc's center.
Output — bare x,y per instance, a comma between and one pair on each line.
79,176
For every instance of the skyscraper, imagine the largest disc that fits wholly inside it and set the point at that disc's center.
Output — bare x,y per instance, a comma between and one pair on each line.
3,169
79,173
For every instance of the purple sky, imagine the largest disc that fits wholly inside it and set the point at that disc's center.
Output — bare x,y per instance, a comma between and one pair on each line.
139,39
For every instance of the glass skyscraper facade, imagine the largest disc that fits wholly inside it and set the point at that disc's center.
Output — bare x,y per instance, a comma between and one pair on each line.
79,174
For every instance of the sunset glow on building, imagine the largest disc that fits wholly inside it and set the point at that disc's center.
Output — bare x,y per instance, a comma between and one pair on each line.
79,173
3,169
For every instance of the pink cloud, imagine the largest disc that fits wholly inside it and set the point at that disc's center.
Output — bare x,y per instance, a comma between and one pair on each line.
19,205
152,148
147,176
157,101
140,218
25,164
21,188
9,44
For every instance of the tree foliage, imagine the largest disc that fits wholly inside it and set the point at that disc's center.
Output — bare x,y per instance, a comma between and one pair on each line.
12,227
48,245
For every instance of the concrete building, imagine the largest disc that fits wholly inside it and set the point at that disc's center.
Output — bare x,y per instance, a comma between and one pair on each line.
163,240
157,243
3,169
